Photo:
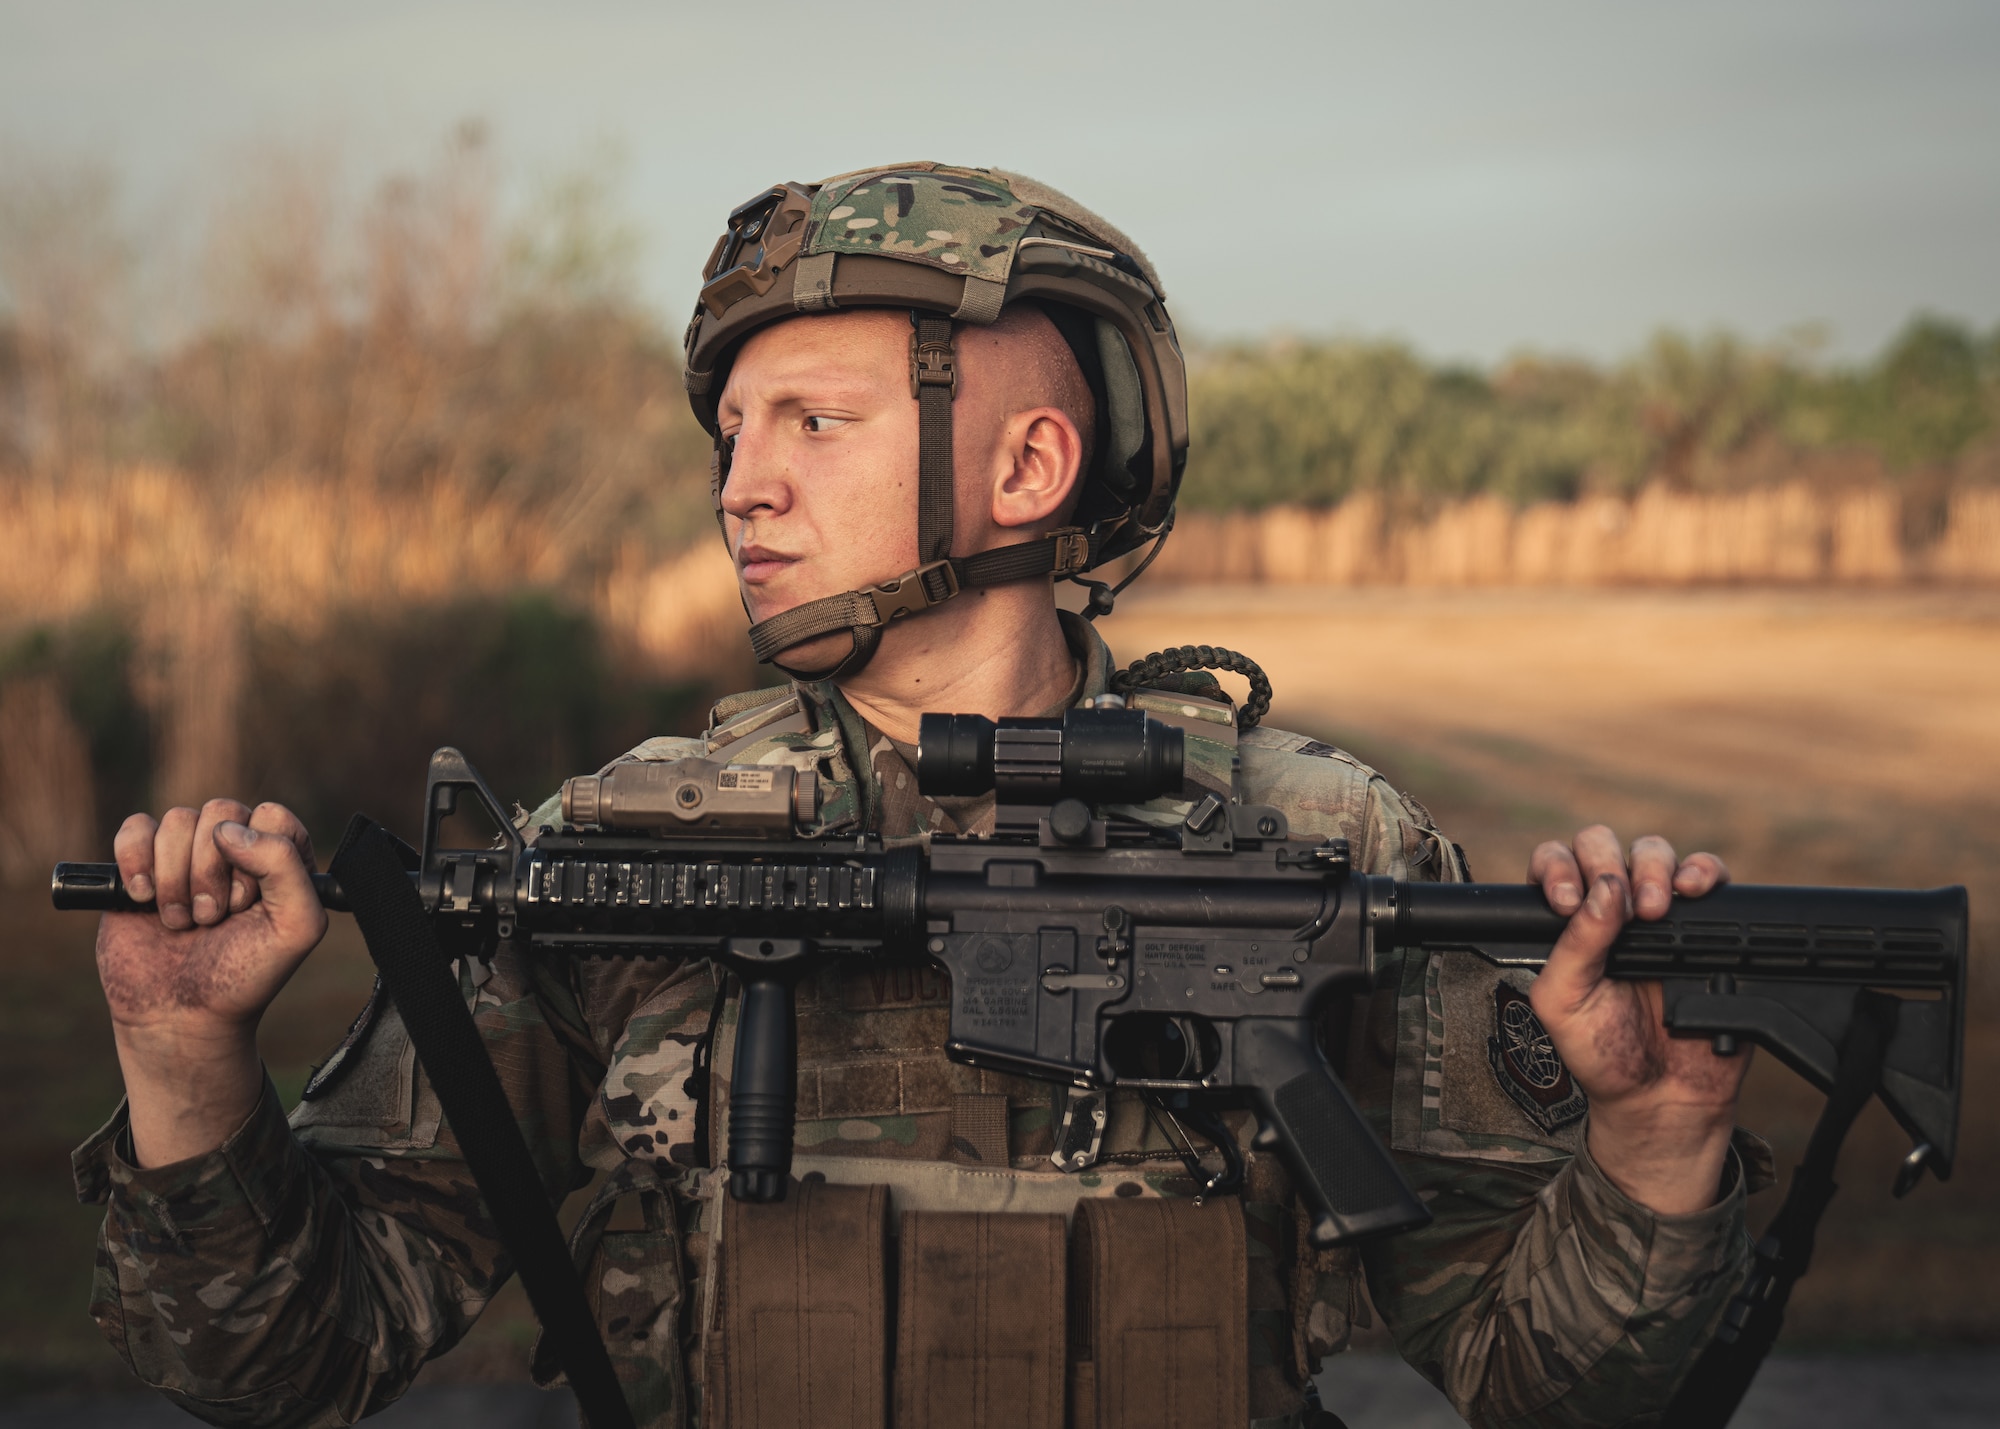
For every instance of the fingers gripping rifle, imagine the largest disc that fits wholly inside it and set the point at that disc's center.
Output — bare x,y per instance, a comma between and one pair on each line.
1099,952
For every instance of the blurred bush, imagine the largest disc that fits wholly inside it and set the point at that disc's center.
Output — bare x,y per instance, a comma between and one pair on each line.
343,721
523,684
75,742
90,663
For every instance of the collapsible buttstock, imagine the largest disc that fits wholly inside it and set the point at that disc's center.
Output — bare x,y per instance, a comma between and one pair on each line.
1348,1179
1775,965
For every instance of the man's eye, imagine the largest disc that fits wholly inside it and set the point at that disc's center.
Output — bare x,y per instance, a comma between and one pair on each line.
824,424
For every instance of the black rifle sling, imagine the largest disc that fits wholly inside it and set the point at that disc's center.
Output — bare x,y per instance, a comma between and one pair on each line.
371,868
1721,1377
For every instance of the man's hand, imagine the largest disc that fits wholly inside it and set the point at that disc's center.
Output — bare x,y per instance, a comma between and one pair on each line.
187,984
1661,1108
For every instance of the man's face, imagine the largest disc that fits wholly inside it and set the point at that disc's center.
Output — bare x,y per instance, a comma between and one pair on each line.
822,491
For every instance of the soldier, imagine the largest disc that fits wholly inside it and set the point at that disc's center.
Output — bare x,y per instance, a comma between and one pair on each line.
932,390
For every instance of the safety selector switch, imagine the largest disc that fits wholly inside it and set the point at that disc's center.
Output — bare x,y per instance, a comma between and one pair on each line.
1201,818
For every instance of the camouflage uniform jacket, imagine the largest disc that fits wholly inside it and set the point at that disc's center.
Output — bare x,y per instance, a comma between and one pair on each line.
302,1273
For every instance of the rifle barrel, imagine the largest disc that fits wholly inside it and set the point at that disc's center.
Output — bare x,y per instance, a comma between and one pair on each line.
97,888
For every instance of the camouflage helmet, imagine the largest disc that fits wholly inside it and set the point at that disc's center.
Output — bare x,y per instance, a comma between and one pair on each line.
955,245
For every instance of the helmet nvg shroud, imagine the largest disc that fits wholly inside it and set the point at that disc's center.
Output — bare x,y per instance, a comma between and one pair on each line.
952,246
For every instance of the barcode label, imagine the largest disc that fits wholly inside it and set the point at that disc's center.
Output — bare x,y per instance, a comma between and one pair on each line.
746,781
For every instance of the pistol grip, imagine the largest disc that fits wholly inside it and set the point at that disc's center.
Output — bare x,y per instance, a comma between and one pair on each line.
763,1090
1351,1185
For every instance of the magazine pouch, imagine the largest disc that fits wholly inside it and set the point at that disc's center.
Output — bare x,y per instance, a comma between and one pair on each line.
1158,1315
980,1338
804,1312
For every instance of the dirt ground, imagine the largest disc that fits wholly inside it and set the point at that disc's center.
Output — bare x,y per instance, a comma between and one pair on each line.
1807,737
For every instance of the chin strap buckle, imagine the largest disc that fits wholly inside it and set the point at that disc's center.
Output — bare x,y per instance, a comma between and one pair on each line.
932,365
1072,551
913,591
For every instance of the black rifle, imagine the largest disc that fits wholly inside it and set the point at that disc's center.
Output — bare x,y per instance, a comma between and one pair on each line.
1185,959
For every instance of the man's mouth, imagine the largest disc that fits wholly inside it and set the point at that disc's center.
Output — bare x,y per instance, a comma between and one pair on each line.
760,563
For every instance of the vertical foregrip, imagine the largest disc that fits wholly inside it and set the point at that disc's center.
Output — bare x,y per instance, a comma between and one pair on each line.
1348,1180
763,1092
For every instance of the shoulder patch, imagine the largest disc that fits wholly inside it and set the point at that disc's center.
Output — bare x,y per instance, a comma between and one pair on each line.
660,749
782,716
327,1074
1283,743
1423,815
1526,1064
1320,749
730,706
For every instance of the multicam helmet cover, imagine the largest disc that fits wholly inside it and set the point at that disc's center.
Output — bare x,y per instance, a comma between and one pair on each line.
956,245
957,223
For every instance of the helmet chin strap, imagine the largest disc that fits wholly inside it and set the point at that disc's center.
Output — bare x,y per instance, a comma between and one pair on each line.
939,575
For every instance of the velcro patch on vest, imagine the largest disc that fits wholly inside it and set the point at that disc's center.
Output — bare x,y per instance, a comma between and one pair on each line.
1526,1064
876,986
328,1073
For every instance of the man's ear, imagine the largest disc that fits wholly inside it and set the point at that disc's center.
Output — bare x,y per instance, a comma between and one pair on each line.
1040,468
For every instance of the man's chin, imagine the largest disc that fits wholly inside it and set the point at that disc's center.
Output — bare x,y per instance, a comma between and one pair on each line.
767,600
820,653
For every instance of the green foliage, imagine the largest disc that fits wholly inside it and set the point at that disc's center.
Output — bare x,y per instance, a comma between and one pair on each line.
524,685
92,660
1926,399
574,248
1316,422
347,719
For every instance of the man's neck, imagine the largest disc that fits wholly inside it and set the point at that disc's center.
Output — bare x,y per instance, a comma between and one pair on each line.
993,651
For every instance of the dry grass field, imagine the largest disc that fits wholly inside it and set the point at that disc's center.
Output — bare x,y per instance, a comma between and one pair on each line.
1807,736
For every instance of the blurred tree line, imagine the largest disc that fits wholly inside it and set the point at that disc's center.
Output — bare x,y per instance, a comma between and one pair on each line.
1313,423
421,333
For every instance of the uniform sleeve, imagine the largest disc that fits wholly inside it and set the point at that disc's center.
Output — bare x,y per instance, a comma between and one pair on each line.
1540,1294
302,1273
1554,1300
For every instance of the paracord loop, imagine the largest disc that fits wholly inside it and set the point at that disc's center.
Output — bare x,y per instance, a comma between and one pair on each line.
1141,673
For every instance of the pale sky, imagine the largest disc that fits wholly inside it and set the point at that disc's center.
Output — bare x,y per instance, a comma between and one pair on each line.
1474,178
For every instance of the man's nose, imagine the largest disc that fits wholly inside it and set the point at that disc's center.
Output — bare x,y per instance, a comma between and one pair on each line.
757,483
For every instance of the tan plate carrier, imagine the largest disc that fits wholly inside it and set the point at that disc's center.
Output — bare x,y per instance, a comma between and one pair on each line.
1135,1316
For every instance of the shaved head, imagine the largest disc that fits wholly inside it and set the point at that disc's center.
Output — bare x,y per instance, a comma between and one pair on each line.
1034,367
